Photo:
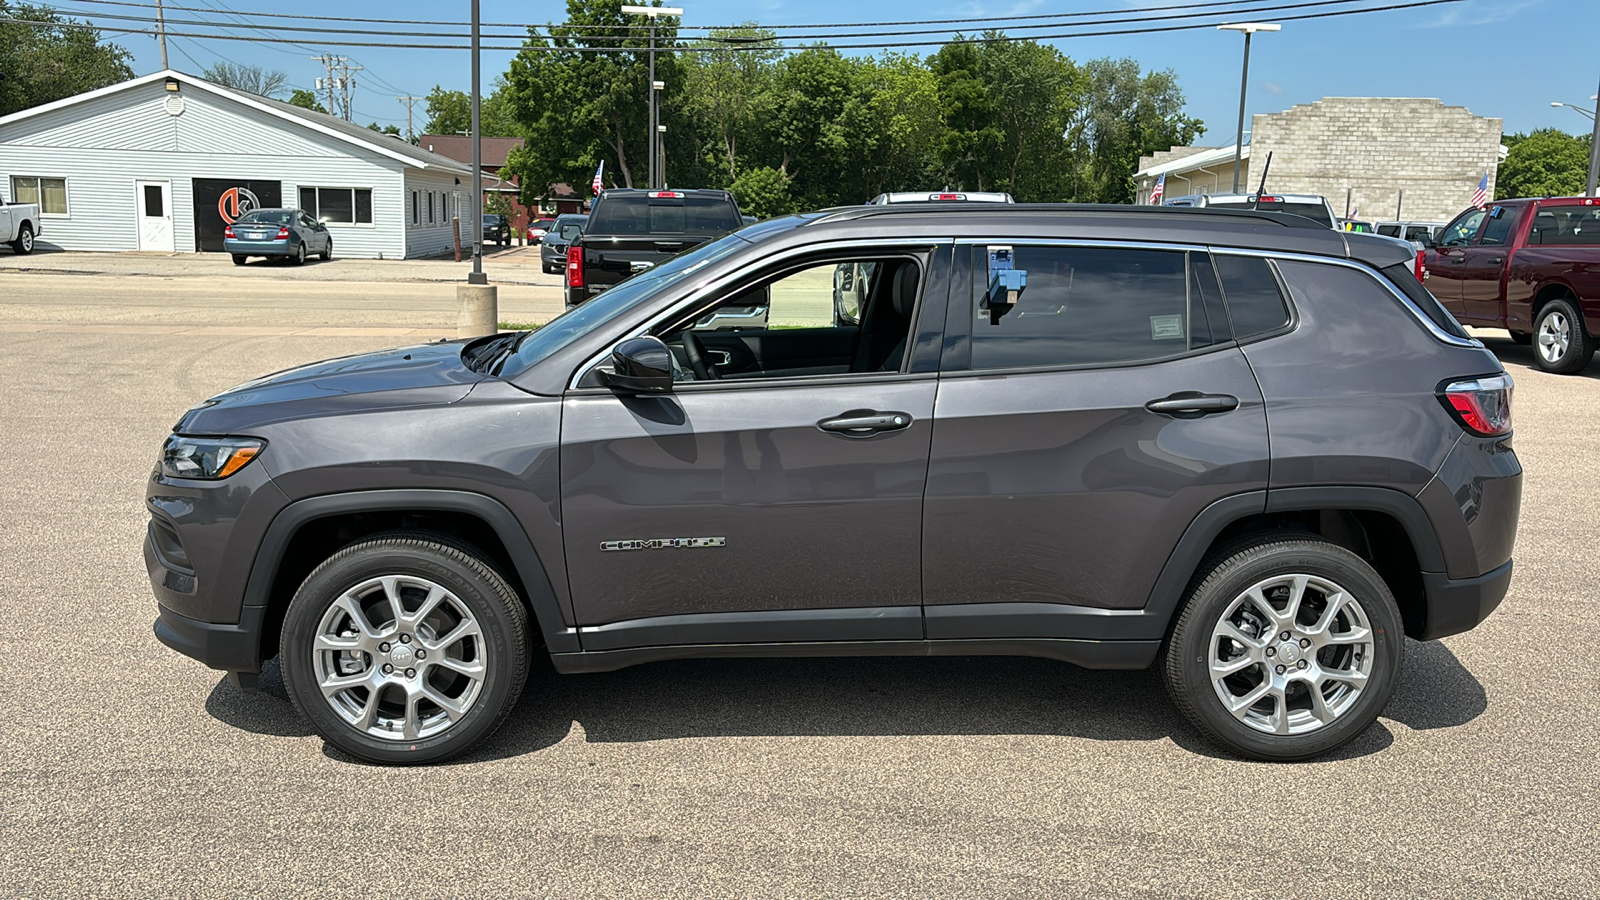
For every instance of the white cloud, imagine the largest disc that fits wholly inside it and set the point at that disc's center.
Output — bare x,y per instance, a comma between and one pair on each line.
1480,12
1272,87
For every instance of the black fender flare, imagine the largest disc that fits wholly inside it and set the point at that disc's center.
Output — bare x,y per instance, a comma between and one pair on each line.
529,569
1197,538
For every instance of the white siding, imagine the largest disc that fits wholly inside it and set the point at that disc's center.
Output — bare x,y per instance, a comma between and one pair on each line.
424,239
102,146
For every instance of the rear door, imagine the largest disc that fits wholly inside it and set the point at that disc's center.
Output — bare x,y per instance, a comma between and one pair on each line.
1079,432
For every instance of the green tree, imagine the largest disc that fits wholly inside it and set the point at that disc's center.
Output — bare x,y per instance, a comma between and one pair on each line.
450,112
43,63
1545,163
727,89
579,108
250,79
763,193
385,129
1123,114
305,100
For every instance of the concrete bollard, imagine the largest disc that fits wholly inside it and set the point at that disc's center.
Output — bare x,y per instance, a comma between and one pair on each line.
480,310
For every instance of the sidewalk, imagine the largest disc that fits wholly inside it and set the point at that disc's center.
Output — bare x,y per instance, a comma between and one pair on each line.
511,265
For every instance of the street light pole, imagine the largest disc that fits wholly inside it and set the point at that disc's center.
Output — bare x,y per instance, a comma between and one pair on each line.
651,140
1249,28
477,276
1594,148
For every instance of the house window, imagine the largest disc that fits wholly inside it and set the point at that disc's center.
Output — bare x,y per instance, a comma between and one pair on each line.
430,207
348,206
416,208
49,193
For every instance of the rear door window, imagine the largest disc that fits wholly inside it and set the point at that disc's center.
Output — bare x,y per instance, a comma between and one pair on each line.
1566,225
1096,306
1255,299
687,214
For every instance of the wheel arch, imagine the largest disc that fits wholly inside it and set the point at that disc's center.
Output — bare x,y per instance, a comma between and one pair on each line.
1386,528
308,531
1555,289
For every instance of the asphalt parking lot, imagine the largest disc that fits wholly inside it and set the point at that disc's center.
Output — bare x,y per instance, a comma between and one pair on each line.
132,771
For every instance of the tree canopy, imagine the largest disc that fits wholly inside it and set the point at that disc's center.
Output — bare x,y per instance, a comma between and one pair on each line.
41,64
1545,163
251,79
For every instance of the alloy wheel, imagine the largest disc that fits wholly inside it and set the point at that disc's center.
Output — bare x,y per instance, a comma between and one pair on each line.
400,658
27,241
1555,336
1291,654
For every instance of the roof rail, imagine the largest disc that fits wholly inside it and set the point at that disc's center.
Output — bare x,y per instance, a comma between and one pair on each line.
844,213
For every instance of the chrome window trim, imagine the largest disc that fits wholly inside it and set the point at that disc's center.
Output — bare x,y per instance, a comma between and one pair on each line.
711,287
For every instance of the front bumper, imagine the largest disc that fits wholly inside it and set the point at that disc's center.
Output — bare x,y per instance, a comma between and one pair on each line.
231,648
1460,604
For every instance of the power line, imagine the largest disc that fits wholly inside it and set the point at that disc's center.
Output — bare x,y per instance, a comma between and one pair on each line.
772,45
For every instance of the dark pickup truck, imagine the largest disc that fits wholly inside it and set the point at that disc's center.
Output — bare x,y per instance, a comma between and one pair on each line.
1530,266
631,230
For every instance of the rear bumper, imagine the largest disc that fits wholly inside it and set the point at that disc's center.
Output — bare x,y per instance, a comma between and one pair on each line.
259,248
229,647
1459,604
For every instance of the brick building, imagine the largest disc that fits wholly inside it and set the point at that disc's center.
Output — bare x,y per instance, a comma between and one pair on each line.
1376,157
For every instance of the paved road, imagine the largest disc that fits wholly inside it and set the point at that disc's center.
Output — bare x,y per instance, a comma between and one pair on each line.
130,771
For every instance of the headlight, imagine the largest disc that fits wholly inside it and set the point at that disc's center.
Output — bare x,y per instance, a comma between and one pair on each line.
207,457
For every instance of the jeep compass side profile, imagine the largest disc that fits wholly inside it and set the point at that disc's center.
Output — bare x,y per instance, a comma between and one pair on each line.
1252,452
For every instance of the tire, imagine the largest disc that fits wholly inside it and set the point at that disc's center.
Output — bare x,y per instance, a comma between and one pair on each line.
239,259
327,251
299,257
479,676
1561,344
1284,722
1521,337
23,245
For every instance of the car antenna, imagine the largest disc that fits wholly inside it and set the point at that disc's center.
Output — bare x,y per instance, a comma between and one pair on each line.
1261,189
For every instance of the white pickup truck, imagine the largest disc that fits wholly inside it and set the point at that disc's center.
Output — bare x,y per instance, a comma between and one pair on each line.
19,225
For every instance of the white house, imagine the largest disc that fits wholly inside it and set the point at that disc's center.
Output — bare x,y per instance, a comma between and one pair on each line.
164,162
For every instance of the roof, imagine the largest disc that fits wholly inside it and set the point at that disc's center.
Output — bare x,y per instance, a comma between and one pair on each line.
1193,161
458,147
321,122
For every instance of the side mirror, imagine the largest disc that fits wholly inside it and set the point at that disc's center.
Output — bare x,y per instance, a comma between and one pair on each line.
642,364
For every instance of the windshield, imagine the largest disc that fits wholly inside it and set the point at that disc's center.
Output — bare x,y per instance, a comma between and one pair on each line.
535,346
266,217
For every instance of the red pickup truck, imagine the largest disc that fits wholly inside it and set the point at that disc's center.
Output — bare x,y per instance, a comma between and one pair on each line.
1531,267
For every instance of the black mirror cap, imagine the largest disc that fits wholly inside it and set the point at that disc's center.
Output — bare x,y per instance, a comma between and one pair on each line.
642,364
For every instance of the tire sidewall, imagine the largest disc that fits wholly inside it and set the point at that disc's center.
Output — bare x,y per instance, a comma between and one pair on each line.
1323,560
339,574
1574,358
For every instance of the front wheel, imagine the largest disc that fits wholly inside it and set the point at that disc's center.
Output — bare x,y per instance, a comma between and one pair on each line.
1285,649
23,245
1561,344
405,649
327,251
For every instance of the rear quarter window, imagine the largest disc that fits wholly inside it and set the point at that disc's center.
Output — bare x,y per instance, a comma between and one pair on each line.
1254,297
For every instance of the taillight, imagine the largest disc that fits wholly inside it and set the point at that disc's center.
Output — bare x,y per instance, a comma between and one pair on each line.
667,195
1422,266
947,196
1268,198
283,233
1481,405
227,232
574,266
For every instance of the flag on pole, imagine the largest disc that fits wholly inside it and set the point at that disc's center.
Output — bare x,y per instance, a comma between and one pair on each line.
1481,195
597,184
1159,190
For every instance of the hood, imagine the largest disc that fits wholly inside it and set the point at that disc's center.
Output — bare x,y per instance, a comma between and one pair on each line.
424,375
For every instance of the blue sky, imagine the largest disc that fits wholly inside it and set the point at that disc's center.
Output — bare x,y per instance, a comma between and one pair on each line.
1448,51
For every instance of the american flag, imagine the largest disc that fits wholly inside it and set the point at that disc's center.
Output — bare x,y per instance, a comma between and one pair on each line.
597,184
1481,195
1158,190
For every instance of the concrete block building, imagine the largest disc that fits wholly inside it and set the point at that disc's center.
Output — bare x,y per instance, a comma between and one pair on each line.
1373,157
164,162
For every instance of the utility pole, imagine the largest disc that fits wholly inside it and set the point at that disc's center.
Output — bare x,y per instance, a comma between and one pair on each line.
161,30
1248,28
326,82
347,86
343,82
652,133
1594,150
409,101
479,300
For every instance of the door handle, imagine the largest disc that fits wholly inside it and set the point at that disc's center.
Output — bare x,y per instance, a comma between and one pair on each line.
1495,260
1193,404
864,423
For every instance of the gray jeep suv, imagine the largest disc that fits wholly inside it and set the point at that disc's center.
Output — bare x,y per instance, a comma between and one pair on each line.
1252,452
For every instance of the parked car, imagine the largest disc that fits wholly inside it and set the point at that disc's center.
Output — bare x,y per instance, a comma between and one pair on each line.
1420,233
631,230
19,226
1114,436
1530,266
563,231
1360,226
282,233
938,196
538,228
1311,206
496,228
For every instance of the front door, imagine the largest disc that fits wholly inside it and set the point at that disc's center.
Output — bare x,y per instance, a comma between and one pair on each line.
1447,258
154,207
1082,431
775,495
1483,264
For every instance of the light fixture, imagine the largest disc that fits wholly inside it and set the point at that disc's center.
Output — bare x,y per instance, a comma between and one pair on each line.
172,85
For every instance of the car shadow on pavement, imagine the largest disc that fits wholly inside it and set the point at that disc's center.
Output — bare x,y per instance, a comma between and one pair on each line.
1511,354
868,697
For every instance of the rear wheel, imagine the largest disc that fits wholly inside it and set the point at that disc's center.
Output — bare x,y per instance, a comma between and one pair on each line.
299,254
1286,648
239,259
1561,344
23,245
405,649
